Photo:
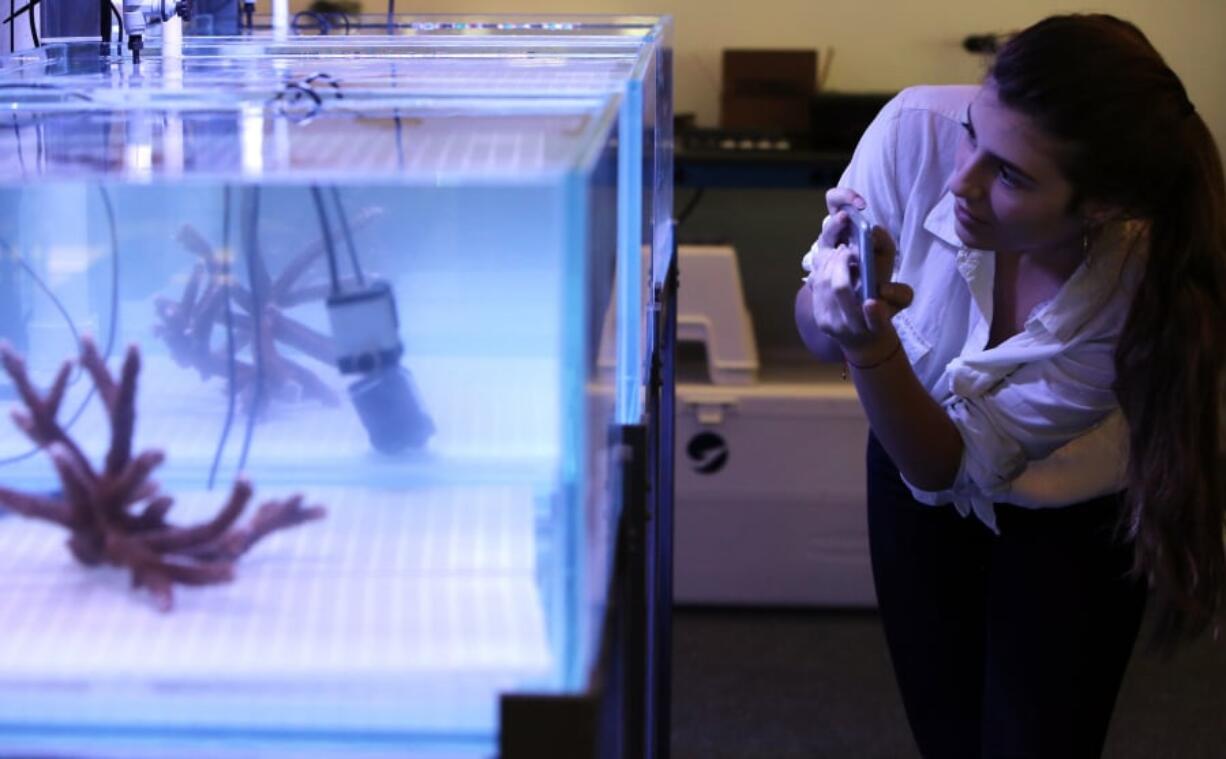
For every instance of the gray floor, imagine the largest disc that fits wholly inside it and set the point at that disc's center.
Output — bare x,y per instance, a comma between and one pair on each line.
780,684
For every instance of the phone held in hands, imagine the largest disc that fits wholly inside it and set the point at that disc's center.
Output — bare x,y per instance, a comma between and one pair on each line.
862,237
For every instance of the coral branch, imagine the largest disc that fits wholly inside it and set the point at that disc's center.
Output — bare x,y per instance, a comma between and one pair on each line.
272,516
38,421
179,539
296,335
187,324
120,401
38,507
40,424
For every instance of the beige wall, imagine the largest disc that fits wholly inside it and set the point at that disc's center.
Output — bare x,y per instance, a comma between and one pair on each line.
884,44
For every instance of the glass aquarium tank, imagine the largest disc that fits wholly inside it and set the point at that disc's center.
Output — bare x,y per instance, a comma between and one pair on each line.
337,56
311,443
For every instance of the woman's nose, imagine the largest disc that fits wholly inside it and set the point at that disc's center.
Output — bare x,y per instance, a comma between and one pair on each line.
967,179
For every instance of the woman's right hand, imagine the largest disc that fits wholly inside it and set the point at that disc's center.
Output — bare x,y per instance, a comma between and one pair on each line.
859,328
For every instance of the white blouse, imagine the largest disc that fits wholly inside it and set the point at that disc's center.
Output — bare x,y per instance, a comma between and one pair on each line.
1040,422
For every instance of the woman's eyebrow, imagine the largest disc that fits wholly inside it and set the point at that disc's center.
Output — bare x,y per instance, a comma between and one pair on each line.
970,124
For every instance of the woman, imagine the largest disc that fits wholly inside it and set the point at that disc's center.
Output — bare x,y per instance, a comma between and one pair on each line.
1043,378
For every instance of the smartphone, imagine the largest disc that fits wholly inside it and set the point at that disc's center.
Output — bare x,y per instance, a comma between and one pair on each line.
862,237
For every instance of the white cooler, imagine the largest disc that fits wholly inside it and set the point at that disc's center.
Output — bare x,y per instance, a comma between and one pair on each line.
770,495
769,506
769,461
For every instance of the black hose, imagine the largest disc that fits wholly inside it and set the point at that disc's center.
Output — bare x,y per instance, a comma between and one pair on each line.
33,25
112,328
257,328
119,19
113,225
353,253
399,141
321,22
231,359
690,206
21,159
326,231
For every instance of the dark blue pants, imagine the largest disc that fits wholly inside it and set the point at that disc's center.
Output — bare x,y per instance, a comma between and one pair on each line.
1009,645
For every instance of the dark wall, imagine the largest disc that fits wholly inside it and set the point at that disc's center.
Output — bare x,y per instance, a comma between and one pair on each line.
771,230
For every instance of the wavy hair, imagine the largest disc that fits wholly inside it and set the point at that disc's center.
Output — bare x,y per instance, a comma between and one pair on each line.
1136,143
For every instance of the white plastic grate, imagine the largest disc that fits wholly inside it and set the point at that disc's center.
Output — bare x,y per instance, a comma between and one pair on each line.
423,596
344,138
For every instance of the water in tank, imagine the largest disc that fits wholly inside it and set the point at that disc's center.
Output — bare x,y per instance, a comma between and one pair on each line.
478,55
387,305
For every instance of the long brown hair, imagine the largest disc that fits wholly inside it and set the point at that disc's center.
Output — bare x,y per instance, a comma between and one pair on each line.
1136,143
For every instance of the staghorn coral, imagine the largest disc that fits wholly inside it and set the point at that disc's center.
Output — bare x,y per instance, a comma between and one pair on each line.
186,325
116,515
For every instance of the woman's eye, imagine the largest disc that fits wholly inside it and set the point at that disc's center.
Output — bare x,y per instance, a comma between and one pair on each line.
1008,176
970,131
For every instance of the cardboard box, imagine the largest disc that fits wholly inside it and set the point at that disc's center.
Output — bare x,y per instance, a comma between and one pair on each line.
768,90
770,73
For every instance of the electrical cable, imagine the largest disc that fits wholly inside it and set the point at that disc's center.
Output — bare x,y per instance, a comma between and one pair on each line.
353,253
72,328
28,8
344,17
690,206
399,140
112,327
326,78
13,14
40,147
288,98
231,360
321,22
119,18
326,231
293,94
21,159
251,245
33,25
391,16
113,225
42,285
396,121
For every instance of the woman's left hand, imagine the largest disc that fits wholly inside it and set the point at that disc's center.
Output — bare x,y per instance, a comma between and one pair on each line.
863,330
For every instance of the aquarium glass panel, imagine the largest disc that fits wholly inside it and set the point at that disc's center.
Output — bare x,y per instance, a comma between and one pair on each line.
389,305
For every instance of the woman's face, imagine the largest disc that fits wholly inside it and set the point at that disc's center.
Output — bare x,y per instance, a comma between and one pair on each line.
1011,195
